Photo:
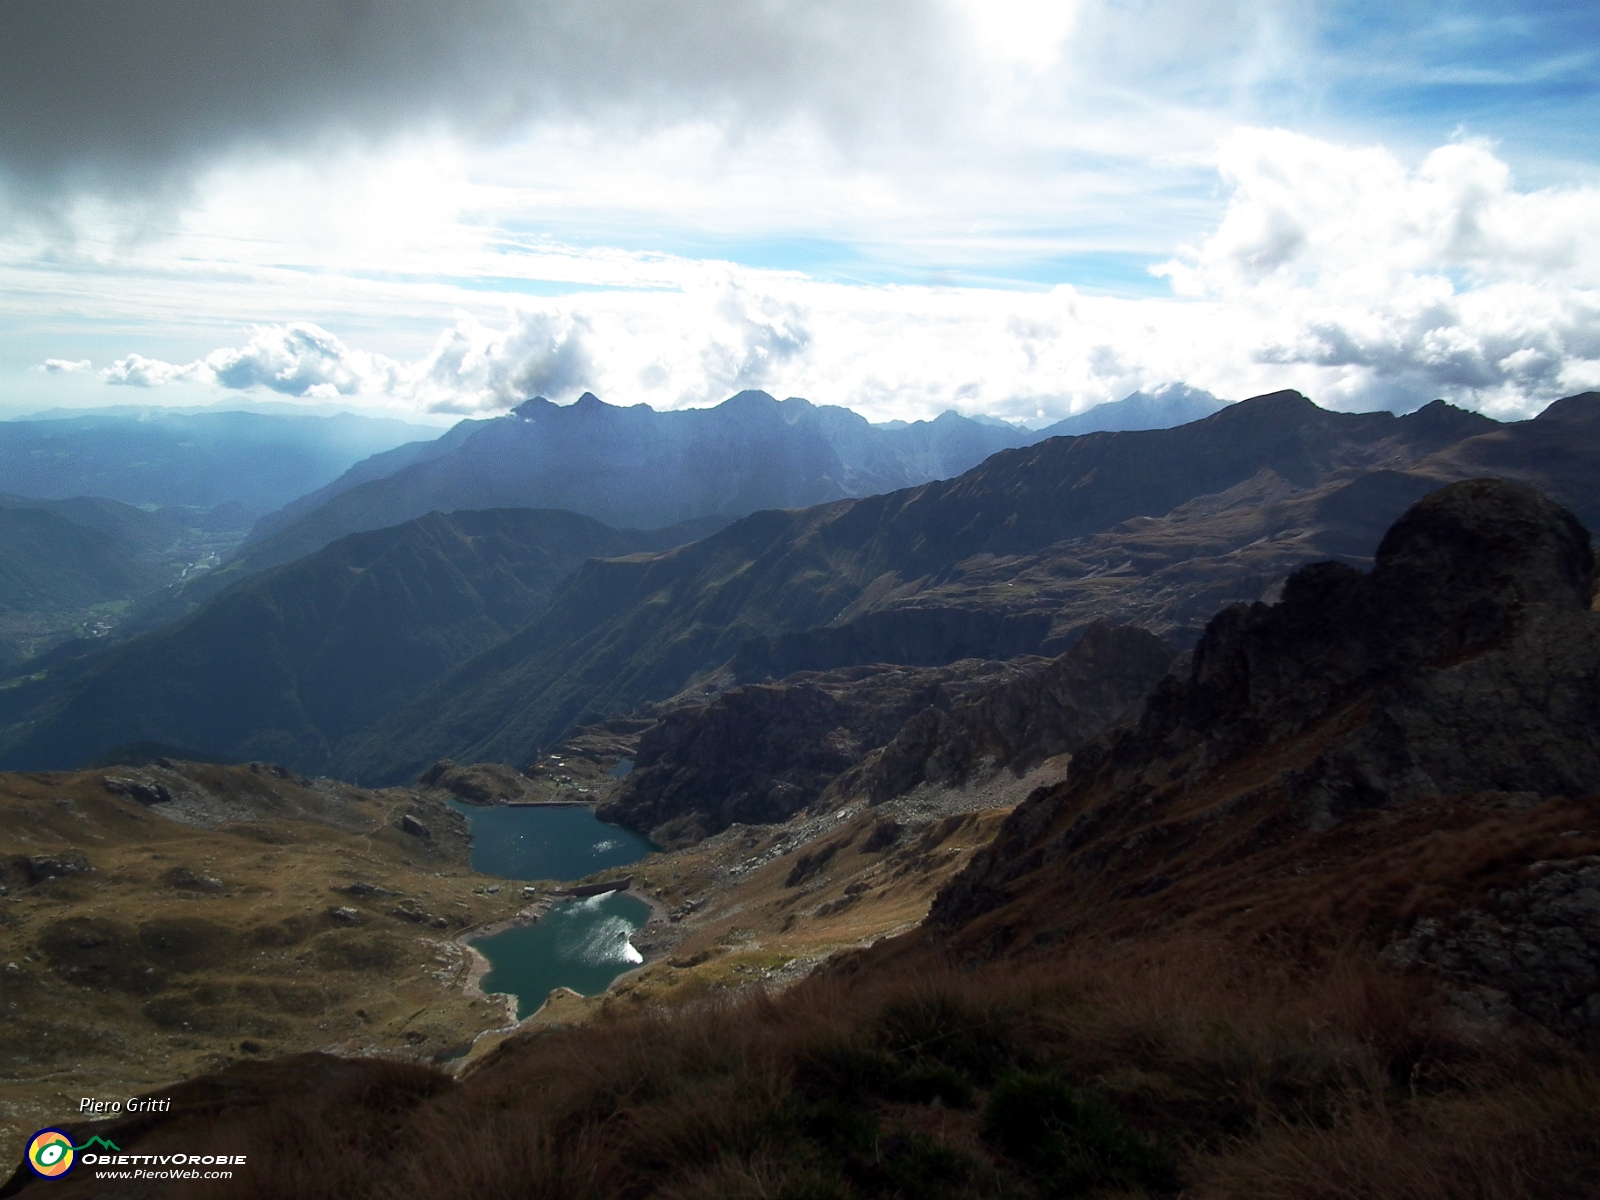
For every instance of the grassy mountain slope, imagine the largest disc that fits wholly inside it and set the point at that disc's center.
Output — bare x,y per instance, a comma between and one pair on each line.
166,545
163,920
288,661
242,560
139,530
50,563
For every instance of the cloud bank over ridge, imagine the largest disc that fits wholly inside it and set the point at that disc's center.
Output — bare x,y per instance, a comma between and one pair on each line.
1008,206
1334,269
110,94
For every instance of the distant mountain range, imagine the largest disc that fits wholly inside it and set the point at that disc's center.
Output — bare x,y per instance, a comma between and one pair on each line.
1156,528
967,567
197,459
638,468
1160,408
579,457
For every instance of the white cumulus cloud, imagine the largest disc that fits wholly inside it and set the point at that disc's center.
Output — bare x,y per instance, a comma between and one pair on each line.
477,369
1344,271
138,371
296,359
1399,282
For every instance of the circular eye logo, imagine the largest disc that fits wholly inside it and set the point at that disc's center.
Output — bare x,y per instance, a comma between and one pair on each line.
50,1153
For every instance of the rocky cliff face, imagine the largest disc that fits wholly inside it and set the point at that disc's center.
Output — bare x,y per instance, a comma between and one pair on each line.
1363,718
759,754
1017,724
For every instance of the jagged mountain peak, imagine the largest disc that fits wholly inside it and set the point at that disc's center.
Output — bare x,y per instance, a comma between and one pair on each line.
1161,407
1441,416
1454,575
532,408
637,467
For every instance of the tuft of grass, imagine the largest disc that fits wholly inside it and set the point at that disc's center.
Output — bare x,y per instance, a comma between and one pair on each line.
1534,1139
936,1026
1071,1139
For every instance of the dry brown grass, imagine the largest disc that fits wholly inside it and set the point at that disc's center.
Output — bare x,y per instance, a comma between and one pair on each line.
1533,1140
185,947
1231,1076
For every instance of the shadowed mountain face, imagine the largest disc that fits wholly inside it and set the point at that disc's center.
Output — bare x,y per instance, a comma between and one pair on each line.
377,466
1017,556
1421,727
289,661
1052,709
48,562
761,753
136,530
197,459
638,468
73,569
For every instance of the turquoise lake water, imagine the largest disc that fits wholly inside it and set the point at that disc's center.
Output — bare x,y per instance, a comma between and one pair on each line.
547,843
580,944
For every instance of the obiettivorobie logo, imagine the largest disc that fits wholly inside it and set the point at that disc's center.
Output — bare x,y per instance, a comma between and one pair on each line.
51,1154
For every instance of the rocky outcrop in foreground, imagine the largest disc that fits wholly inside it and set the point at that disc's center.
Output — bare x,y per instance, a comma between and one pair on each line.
1447,701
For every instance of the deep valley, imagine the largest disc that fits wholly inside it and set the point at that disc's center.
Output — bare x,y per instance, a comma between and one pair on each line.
1210,810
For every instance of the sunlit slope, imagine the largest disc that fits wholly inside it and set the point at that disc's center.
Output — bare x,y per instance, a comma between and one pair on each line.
162,921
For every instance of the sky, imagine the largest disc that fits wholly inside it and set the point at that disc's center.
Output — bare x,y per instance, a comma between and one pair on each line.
1007,207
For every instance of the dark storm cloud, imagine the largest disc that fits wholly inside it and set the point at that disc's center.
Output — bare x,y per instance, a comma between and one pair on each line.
112,91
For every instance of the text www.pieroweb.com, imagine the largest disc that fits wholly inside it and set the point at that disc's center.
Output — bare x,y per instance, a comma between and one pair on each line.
162,1166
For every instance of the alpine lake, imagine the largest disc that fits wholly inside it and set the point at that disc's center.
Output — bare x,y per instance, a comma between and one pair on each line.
581,942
